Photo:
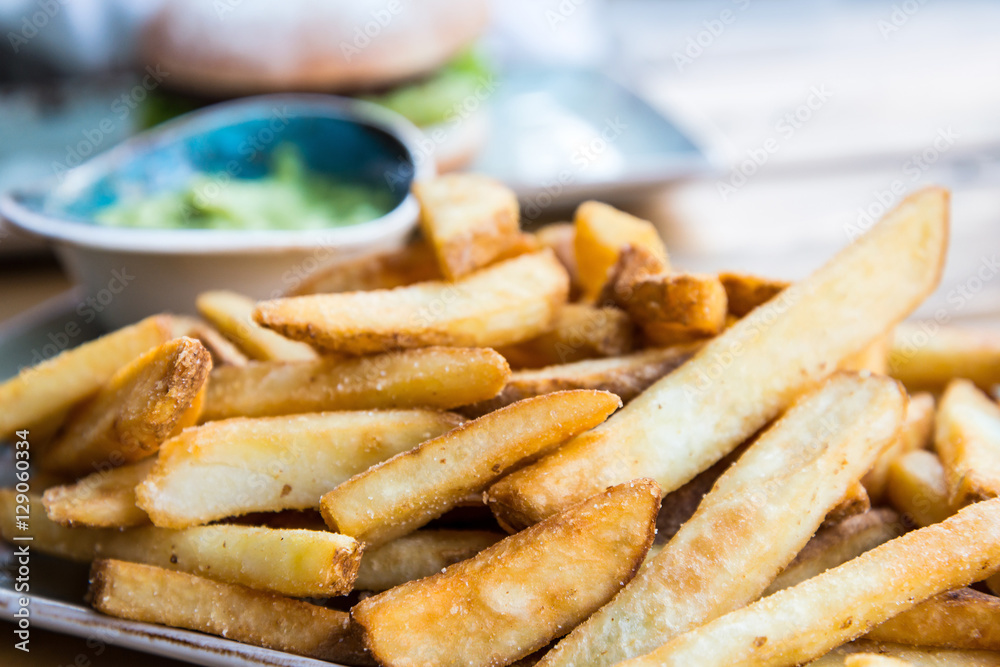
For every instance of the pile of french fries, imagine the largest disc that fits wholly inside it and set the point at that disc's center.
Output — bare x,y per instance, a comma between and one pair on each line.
681,469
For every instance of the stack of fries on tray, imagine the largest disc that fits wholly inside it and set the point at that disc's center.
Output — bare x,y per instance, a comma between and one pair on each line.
355,473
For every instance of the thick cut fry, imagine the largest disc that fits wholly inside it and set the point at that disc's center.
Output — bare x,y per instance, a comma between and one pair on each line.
505,303
916,434
519,594
418,555
223,352
469,220
838,544
232,314
747,375
962,618
673,308
578,332
744,292
154,595
601,232
635,264
413,263
967,438
412,488
104,499
921,656
300,563
436,377
750,526
560,237
874,660
927,356
804,622
41,393
916,487
237,466
142,405
626,377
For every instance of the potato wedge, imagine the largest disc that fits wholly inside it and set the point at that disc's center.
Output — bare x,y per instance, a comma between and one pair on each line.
962,618
519,594
104,499
418,555
578,332
625,376
601,232
41,393
155,595
744,291
300,563
750,526
675,308
505,303
434,377
469,220
413,263
237,466
921,656
748,374
398,496
917,489
967,438
927,356
915,434
223,352
804,622
232,314
142,405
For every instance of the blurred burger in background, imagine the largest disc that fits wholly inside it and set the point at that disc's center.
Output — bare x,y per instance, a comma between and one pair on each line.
416,57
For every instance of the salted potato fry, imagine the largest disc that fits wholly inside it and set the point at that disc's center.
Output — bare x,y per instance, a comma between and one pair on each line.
578,332
962,618
519,594
398,496
469,219
673,308
917,488
837,544
104,499
874,660
223,352
560,238
434,377
301,563
237,466
747,375
601,232
915,434
921,656
41,393
418,555
744,291
413,263
967,438
154,595
625,376
505,303
804,622
142,405
232,313
927,356
750,526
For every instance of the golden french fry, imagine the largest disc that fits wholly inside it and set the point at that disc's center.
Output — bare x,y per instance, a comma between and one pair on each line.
560,238
915,434
578,332
927,356
635,263
434,377
967,438
469,220
398,496
232,314
806,621
839,543
963,618
223,352
874,660
237,466
104,499
744,291
747,375
413,263
41,393
601,232
516,596
673,308
921,656
155,595
916,487
505,303
750,526
300,563
418,555
143,404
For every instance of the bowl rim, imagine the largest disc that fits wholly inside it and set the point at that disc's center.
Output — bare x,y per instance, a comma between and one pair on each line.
67,231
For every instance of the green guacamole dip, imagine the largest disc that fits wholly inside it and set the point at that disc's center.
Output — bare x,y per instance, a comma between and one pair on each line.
290,197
